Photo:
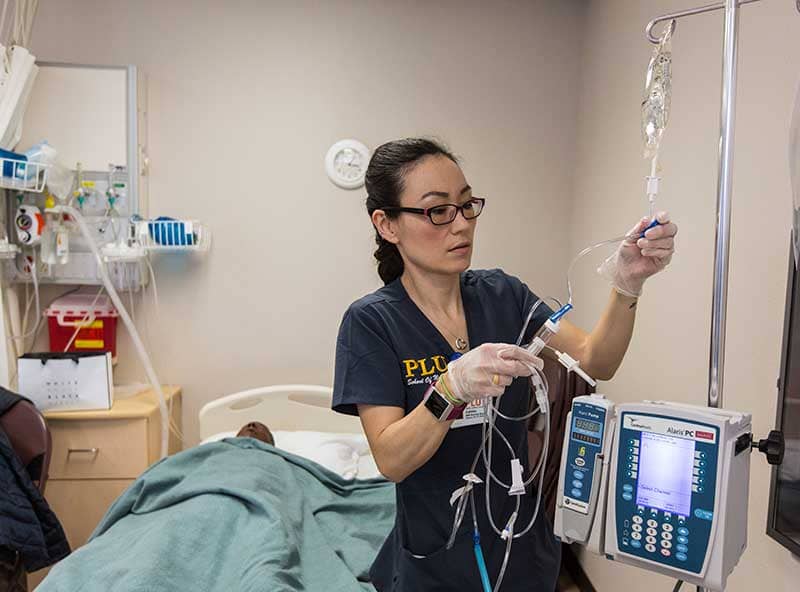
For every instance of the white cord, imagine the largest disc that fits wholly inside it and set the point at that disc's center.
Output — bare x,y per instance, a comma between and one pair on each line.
126,319
153,283
25,334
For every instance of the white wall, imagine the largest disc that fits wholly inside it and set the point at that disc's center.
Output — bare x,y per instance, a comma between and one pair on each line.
244,100
670,351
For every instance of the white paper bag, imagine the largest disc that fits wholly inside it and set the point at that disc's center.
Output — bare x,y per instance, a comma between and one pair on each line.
67,381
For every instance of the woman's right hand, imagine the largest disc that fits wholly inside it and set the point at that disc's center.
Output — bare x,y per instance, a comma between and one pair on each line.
488,369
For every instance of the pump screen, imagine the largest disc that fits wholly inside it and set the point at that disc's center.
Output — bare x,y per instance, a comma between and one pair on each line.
665,473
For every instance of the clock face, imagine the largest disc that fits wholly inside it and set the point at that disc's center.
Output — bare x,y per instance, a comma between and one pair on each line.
346,163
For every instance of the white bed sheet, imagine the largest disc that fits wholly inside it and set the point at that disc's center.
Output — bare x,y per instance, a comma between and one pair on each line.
347,455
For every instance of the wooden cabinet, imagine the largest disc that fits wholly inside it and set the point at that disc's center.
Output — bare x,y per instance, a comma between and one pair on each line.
97,455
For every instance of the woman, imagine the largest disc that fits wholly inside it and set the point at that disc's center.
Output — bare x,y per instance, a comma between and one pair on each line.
398,367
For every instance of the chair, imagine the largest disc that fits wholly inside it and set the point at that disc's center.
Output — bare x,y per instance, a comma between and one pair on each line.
30,437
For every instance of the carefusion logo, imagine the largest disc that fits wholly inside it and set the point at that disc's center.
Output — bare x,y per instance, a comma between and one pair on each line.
670,427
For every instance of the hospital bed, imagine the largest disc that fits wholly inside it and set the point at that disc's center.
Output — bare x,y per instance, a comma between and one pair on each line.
237,514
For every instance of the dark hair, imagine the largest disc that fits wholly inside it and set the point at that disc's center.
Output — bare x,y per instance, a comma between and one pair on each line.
385,181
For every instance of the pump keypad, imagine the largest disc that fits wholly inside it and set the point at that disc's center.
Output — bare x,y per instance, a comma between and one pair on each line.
674,515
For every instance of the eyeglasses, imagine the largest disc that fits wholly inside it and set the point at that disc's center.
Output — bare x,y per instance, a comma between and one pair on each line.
445,213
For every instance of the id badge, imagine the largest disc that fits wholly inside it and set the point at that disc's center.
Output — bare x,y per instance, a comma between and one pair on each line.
474,414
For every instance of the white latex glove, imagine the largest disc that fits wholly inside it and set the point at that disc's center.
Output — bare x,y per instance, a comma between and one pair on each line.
488,369
637,259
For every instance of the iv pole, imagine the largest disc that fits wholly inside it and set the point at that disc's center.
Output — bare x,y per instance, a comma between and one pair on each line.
724,183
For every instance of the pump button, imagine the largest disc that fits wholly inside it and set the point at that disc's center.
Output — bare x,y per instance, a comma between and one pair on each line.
704,514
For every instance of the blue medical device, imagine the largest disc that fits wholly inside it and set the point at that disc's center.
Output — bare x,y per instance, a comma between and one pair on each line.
583,475
668,495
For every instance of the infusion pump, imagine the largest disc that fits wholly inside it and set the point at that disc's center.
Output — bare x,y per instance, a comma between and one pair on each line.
658,485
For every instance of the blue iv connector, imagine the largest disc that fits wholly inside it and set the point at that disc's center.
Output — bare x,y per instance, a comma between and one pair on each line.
652,224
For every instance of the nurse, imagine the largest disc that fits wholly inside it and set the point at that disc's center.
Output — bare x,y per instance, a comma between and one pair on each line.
413,355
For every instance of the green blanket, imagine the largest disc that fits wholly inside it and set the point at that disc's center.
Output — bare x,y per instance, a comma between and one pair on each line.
235,515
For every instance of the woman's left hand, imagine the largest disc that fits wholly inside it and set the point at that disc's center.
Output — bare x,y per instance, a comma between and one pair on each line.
637,259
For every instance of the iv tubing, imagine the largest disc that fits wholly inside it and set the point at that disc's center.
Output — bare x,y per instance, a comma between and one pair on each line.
652,185
123,313
586,251
507,555
487,586
485,452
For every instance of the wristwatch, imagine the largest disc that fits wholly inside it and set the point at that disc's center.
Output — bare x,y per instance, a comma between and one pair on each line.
442,409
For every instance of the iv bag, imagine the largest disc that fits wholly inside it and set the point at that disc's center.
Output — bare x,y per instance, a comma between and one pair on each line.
794,172
657,95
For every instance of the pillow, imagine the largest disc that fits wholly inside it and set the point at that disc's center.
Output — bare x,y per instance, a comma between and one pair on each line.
347,455
336,452
367,469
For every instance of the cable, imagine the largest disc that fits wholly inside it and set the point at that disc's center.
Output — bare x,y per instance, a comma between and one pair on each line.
28,302
153,282
137,341
678,585
25,334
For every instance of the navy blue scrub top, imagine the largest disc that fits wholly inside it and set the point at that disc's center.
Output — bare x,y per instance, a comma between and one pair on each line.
387,353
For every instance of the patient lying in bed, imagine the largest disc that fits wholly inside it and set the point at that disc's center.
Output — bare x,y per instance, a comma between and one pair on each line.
257,430
181,524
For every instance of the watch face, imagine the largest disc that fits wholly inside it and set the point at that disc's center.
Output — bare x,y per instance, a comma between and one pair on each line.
437,404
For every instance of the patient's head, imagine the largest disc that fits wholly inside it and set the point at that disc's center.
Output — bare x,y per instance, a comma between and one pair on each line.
257,430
